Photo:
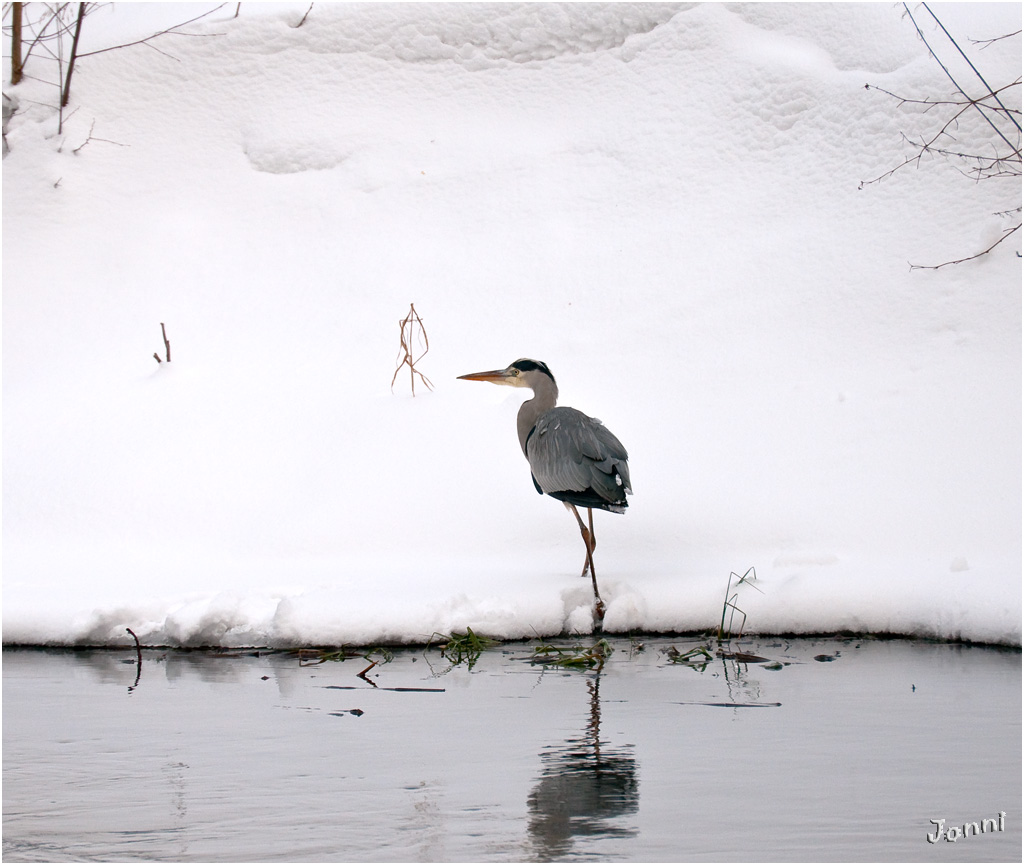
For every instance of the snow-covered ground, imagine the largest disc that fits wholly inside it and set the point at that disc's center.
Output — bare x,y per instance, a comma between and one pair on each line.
660,201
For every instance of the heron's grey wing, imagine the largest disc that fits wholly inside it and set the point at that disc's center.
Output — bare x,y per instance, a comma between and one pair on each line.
569,451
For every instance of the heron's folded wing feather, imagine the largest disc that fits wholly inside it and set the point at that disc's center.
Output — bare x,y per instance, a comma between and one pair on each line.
569,451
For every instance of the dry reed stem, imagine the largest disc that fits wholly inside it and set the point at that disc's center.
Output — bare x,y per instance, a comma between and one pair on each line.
412,321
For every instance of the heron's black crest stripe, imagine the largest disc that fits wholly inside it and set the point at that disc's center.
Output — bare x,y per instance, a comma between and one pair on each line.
524,364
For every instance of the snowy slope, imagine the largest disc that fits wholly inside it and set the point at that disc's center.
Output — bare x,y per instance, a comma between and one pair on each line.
661,201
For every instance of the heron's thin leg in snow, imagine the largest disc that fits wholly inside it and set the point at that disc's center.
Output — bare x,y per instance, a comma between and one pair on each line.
588,539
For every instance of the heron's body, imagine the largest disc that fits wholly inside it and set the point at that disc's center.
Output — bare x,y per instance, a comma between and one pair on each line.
573,458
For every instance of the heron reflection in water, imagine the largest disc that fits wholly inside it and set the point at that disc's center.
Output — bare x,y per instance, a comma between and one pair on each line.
585,787
573,458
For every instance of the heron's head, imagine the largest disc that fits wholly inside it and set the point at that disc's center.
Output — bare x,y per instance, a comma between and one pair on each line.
521,373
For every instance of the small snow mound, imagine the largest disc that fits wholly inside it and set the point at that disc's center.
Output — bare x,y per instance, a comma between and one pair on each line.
480,36
626,612
578,604
959,564
850,38
277,156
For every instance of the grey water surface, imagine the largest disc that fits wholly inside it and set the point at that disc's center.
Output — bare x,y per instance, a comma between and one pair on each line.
782,750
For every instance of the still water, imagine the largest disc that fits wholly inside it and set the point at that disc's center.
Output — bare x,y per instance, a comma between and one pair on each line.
792,750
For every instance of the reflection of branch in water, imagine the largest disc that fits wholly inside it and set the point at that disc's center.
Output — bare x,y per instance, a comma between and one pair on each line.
741,687
138,668
583,787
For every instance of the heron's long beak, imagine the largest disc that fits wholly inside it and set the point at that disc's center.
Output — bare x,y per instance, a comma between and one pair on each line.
495,376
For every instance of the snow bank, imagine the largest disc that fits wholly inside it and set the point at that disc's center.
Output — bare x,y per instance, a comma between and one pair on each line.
659,200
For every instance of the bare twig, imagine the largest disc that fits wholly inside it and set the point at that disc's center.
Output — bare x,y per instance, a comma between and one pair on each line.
984,43
974,68
949,74
414,323
978,161
1006,234
167,343
91,138
304,17
170,31
40,36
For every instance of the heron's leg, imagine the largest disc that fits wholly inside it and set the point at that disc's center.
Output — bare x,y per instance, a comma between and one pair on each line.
588,539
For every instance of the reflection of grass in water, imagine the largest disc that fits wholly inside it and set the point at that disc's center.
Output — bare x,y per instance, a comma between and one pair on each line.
578,657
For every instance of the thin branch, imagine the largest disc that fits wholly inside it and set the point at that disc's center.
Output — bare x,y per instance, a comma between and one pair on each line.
969,63
172,31
929,146
40,36
949,75
102,140
1006,234
984,43
304,17
66,94
931,103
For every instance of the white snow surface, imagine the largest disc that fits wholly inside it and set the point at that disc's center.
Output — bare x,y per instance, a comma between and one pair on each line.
660,201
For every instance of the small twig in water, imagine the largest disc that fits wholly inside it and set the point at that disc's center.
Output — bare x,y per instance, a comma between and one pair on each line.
138,654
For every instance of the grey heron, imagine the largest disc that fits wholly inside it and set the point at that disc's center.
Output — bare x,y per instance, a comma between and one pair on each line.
573,458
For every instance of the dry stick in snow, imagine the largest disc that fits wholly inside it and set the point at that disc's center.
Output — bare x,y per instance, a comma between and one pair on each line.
167,345
304,17
412,321
66,95
16,61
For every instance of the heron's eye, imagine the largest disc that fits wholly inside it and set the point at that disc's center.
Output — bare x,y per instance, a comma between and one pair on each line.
515,371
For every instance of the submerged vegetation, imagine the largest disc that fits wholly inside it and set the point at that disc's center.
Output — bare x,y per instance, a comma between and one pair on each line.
465,648
577,657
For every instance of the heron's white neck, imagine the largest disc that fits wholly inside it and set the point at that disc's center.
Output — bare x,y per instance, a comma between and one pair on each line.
545,396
